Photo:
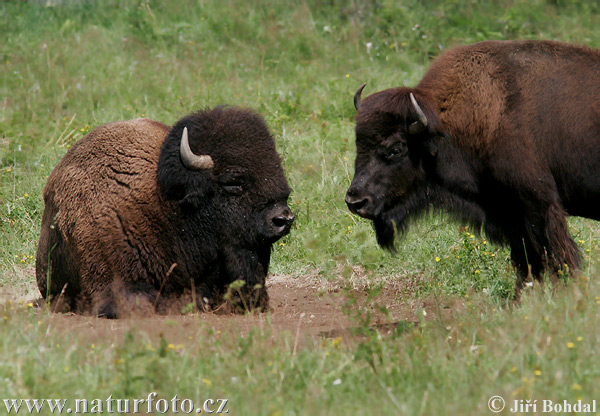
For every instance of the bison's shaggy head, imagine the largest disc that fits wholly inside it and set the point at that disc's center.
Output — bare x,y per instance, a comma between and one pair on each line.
222,165
396,137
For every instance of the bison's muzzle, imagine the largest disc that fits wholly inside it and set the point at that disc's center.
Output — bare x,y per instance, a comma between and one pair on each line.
279,222
360,204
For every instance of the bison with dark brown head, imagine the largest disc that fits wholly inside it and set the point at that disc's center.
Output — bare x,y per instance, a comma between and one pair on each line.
138,213
504,135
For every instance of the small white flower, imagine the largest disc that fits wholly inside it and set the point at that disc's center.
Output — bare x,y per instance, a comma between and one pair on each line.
337,382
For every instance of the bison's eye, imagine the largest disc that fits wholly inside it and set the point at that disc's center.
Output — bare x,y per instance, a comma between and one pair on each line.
233,188
396,153
232,185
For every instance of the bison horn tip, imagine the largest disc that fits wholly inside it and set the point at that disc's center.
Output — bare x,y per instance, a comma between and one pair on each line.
420,113
357,95
191,160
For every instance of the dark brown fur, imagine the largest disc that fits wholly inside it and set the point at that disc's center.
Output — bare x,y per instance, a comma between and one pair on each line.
512,144
127,226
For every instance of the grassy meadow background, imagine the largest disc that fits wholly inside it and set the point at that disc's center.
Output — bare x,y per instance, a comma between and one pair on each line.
69,66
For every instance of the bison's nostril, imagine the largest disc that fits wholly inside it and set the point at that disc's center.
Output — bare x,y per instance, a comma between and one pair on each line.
356,204
283,221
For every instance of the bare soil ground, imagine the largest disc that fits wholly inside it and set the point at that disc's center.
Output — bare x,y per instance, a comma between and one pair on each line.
308,307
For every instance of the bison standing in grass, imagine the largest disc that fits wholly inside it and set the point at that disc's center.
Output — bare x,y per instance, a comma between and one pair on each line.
142,215
504,135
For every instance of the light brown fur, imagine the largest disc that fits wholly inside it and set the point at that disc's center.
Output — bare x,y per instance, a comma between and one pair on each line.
95,227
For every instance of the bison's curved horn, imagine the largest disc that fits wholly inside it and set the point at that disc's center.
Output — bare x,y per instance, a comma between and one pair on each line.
189,159
419,125
357,96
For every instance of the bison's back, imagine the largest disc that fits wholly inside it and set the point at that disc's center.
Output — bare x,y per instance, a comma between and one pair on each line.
103,188
490,86
532,104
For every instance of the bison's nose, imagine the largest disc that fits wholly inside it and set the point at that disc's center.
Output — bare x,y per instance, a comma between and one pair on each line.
358,204
282,221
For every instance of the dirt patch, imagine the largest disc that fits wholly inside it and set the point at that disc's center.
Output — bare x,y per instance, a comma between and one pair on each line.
308,307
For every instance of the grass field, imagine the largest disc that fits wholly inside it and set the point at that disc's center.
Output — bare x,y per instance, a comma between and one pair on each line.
69,66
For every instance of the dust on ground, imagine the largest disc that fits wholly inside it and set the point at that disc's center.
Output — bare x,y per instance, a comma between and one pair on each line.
308,307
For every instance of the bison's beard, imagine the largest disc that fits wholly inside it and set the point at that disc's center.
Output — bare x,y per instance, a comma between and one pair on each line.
397,214
394,219
388,225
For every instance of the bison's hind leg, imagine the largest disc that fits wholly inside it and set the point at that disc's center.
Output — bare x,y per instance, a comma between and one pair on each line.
551,242
546,246
563,252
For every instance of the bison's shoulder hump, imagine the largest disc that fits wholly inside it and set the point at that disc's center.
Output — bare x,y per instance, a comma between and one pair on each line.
140,131
134,138
112,156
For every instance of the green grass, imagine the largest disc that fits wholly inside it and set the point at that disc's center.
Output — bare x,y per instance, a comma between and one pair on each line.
68,68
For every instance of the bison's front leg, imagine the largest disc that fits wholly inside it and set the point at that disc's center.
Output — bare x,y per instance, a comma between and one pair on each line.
245,274
524,257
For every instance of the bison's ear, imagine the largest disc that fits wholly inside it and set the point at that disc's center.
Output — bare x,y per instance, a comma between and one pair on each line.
431,145
197,198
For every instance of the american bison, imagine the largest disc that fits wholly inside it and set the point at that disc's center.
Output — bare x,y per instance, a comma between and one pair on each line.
503,135
139,214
